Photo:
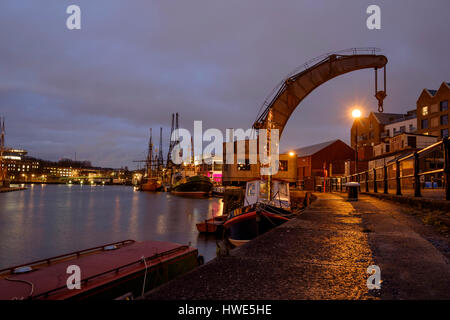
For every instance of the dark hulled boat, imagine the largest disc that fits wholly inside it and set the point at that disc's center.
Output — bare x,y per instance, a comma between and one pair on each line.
195,186
260,215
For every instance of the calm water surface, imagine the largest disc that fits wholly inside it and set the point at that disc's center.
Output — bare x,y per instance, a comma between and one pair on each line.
48,220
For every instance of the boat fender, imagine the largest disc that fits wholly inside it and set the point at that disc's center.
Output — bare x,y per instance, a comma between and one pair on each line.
110,248
23,269
200,260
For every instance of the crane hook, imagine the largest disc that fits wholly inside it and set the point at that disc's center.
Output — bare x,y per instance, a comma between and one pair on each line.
380,95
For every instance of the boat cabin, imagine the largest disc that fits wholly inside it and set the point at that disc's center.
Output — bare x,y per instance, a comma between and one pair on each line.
256,191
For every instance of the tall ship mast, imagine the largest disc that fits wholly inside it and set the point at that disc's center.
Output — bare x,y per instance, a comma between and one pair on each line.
149,182
3,167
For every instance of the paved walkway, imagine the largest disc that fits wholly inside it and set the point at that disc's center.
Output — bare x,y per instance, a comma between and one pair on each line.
324,254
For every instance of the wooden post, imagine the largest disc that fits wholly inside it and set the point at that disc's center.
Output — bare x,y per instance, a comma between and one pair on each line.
447,168
416,176
397,178
385,180
375,187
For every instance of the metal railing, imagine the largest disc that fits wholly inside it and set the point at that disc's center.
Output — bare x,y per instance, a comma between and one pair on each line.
48,261
422,173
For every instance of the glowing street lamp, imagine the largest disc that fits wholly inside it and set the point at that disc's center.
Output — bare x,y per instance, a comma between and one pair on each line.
356,114
292,153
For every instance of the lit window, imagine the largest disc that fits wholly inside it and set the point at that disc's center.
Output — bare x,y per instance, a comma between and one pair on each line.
425,111
283,165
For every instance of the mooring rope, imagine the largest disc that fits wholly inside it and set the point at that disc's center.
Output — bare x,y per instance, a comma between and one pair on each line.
145,275
24,281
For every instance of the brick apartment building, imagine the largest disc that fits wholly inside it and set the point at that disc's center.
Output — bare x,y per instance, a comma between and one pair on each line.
373,129
432,111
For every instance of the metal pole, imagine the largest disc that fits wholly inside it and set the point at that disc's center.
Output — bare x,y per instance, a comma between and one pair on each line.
356,146
375,187
416,176
385,180
367,181
447,168
397,178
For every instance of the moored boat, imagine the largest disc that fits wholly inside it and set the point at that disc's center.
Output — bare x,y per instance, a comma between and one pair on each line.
195,186
213,225
259,215
126,268
150,184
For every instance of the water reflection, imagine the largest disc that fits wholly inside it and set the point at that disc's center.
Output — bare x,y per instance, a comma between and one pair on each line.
48,220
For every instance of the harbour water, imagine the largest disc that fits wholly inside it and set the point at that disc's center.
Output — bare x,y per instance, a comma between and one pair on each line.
48,220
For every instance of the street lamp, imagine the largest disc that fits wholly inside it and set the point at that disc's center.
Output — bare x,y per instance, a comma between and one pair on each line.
356,114
292,153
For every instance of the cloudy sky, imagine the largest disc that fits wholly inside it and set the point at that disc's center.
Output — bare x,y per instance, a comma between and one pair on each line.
98,90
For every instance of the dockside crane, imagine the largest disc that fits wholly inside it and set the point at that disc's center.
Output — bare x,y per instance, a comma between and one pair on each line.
291,91
287,96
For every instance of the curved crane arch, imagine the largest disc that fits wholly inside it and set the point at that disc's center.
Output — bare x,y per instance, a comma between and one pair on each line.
298,85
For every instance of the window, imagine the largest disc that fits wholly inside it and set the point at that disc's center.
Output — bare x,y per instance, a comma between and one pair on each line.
444,133
444,119
412,142
402,129
371,135
251,191
283,165
263,190
444,105
244,166
425,111
425,124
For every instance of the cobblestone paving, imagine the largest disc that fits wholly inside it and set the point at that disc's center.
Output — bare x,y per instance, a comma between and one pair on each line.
324,254
414,259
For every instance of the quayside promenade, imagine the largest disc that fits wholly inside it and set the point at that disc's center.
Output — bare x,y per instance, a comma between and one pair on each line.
324,254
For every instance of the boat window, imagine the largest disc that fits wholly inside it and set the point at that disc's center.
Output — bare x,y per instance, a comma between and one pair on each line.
263,190
282,189
251,192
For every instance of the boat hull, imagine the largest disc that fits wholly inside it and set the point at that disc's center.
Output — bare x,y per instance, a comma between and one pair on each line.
249,222
193,194
197,186
213,225
151,185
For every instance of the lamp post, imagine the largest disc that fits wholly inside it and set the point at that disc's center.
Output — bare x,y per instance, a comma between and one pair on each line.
356,114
